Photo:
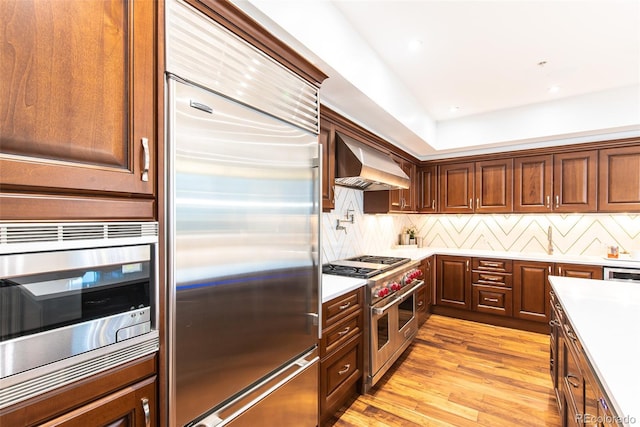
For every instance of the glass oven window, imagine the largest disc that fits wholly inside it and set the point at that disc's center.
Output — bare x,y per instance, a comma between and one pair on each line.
41,302
406,312
383,331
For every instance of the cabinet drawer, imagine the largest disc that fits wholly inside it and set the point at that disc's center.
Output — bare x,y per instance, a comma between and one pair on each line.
497,265
340,307
340,333
492,279
492,299
339,375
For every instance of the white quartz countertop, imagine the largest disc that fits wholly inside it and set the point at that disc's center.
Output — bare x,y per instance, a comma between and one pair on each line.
606,319
333,286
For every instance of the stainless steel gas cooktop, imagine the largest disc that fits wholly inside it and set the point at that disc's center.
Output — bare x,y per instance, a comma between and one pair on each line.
364,266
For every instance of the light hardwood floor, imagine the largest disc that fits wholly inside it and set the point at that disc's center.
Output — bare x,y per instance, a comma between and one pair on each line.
460,373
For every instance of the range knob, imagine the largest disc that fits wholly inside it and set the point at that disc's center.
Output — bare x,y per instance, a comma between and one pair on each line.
382,292
395,286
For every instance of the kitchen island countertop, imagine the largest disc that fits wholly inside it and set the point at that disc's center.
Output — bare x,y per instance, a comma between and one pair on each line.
605,316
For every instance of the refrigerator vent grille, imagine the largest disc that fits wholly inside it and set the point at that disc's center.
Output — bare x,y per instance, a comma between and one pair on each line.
41,384
41,232
203,52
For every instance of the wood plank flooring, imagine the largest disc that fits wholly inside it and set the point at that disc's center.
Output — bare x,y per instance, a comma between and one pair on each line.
460,373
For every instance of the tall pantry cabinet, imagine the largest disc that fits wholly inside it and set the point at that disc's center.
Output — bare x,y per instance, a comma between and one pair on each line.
77,123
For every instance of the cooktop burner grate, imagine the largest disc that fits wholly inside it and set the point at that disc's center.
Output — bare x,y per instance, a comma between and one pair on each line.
364,266
379,259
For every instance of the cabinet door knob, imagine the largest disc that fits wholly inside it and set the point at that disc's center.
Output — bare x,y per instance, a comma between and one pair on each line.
548,202
433,204
145,164
557,201
147,411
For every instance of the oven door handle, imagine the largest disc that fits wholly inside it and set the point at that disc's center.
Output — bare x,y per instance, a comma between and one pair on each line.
380,310
406,294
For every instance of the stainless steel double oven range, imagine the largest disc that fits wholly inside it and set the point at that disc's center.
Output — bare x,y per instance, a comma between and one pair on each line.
75,299
391,321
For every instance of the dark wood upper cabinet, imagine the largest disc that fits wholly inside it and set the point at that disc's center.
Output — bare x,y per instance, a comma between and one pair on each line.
619,179
456,187
328,141
533,183
428,189
79,100
494,186
575,181
403,200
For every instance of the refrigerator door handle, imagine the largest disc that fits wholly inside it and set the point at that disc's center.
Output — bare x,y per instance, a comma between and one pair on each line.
261,391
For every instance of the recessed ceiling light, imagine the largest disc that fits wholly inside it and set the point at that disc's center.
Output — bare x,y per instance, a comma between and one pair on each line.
454,109
554,89
415,45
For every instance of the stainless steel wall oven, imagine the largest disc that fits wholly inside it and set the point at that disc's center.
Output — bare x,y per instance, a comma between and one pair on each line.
75,299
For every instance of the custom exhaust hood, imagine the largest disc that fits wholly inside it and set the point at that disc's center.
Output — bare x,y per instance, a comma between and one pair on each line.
365,168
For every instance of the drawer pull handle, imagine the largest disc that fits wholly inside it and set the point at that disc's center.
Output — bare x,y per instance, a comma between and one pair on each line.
433,204
345,369
345,306
420,303
491,299
554,323
557,201
146,411
548,202
571,377
491,264
345,331
492,278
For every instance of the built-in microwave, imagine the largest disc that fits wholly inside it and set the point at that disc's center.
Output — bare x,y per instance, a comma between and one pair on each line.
75,299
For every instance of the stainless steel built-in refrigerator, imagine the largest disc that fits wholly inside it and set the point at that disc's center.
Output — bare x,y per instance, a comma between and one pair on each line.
242,231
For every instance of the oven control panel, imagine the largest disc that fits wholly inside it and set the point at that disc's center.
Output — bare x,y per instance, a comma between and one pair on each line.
395,283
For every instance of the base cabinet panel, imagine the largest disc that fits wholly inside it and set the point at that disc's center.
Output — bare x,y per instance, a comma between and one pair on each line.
453,281
133,406
341,352
112,398
531,290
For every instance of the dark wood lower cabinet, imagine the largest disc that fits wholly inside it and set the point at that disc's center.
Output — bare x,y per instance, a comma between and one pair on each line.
453,279
117,397
531,290
579,271
503,292
341,352
132,406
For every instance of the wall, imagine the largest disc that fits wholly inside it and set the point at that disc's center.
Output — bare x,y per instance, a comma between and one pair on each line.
574,234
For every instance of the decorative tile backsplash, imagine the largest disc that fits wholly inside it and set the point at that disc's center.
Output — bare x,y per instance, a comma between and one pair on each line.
573,234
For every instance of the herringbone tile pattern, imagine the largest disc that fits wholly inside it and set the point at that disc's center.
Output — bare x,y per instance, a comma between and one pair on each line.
573,234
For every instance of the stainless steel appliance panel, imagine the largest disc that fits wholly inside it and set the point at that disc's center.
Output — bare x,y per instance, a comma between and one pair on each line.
201,51
243,249
289,397
622,274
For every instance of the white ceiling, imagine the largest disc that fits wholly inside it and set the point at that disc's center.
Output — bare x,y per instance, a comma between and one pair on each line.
478,55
